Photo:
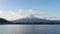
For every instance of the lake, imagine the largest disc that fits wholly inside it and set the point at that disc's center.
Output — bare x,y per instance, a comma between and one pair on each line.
29,29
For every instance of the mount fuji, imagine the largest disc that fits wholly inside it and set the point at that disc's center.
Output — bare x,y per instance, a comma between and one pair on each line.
32,20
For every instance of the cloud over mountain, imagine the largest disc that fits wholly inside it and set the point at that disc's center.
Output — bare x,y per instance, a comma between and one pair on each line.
19,14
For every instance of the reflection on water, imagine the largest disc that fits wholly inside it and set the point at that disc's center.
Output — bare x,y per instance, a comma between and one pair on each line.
29,29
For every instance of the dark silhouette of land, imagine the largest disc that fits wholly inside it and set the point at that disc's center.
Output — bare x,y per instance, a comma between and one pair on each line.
3,21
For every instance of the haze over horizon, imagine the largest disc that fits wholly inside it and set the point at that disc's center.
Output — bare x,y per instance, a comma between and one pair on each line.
17,9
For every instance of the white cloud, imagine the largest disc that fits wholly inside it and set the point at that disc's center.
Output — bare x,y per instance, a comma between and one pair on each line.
17,14
30,10
37,13
20,10
11,12
1,12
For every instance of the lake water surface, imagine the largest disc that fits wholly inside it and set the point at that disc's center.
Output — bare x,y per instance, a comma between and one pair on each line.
29,29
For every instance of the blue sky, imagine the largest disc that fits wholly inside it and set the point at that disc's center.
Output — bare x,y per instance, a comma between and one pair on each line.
24,7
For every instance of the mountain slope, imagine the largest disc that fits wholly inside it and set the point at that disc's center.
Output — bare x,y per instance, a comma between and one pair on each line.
3,21
33,20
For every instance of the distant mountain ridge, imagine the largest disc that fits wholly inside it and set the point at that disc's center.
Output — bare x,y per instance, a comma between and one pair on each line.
4,21
32,19
29,20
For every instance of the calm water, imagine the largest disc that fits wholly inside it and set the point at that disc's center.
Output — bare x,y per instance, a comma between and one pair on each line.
29,29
